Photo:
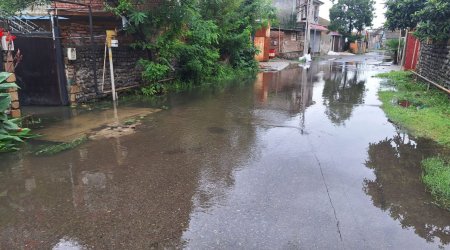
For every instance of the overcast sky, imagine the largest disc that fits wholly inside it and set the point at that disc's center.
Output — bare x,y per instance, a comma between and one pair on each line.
379,12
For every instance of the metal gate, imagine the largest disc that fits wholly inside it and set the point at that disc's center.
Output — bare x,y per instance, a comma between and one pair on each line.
41,75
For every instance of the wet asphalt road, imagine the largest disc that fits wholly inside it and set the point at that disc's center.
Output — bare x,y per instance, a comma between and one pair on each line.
298,159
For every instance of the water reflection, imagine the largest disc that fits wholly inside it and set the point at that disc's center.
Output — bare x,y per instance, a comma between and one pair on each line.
289,90
240,146
397,188
343,91
132,192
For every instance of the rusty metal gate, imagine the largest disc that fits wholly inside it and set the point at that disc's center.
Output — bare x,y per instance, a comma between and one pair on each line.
41,75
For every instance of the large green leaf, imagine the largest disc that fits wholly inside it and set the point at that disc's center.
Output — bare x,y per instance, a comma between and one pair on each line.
9,125
8,85
5,101
10,138
4,76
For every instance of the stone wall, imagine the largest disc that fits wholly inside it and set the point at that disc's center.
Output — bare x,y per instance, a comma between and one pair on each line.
80,75
434,63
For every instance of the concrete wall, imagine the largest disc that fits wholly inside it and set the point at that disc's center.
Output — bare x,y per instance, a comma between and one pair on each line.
434,62
325,43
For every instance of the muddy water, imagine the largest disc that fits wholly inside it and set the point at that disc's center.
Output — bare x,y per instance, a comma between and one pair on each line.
303,158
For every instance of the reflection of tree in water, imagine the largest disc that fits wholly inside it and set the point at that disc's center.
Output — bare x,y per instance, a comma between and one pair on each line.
342,92
398,190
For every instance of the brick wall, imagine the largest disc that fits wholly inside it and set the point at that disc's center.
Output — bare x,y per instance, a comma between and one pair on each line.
77,33
291,43
96,4
434,63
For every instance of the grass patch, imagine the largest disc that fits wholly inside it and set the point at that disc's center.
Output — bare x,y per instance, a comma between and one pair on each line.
436,177
54,149
425,113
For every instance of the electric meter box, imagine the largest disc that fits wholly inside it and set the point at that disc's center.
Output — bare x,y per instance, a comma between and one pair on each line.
72,54
5,44
114,43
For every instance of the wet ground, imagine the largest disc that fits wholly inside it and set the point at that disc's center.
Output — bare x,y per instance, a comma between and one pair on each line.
298,159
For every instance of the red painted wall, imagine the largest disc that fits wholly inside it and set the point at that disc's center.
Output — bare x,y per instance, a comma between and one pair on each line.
412,52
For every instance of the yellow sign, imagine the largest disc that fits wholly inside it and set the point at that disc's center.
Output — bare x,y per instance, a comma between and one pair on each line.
110,35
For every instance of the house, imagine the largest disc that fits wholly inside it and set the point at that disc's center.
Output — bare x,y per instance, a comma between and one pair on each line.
287,43
64,61
288,40
308,18
375,38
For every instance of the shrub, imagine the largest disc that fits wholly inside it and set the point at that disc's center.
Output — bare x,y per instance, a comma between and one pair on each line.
10,132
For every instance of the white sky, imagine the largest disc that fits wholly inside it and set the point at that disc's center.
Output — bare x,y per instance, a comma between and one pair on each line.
379,12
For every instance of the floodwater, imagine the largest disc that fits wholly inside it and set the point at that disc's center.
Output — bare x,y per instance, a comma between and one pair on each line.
297,159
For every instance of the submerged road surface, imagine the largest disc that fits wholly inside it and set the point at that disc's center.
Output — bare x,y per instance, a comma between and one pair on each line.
297,159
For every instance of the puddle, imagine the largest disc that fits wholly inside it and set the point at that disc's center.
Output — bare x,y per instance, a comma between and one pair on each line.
83,124
266,164
404,103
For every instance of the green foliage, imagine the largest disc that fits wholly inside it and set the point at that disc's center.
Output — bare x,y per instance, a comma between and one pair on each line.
434,21
429,18
197,39
348,15
153,72
400,13
429,110
10,7
198,56
10,132
54,149
393,44
436,178
154,89
122,8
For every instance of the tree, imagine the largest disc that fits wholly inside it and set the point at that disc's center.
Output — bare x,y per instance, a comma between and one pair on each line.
434,20
13,6
429,18
196,39
349,15
400,14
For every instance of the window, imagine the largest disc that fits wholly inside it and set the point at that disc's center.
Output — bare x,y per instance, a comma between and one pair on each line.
293,36
304,11
316,13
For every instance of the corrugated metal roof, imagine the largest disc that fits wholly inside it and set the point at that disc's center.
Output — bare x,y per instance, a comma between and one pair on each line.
28,17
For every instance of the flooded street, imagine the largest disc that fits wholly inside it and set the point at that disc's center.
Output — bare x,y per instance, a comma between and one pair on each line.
297,159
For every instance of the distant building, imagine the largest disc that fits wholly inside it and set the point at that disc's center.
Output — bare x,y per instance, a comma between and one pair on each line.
288,39
375,39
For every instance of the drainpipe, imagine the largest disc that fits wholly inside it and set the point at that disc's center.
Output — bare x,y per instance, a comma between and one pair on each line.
94,61
279,40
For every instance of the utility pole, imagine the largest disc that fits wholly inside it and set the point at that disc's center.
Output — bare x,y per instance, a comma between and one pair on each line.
308,7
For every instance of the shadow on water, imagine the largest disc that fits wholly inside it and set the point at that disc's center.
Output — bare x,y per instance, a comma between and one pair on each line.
397,187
